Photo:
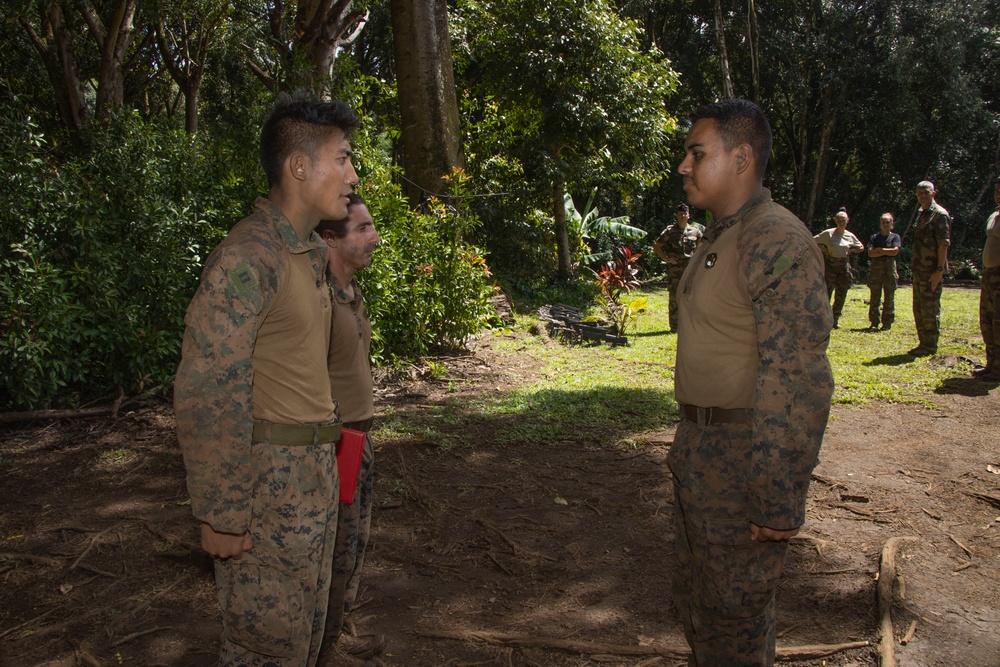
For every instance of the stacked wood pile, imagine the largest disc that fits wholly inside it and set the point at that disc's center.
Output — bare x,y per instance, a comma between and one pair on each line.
567,323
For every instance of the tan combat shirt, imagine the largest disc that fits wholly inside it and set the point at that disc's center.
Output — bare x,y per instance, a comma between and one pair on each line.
256,339
991,251
754,325
348,363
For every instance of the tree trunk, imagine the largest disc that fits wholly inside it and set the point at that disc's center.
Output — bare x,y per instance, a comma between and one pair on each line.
54,45
321,31
829,121
720,41
191,104
561,229
113,40
752,40
432,141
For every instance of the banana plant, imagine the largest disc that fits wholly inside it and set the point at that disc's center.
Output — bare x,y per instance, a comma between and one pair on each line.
588,224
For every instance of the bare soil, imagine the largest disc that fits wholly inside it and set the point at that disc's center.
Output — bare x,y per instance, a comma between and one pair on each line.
541,554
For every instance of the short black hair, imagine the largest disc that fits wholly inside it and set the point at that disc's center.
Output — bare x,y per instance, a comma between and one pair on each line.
740,122
300,122
339,227
683,207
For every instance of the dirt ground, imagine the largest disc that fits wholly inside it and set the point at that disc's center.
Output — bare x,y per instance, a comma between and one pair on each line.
554,554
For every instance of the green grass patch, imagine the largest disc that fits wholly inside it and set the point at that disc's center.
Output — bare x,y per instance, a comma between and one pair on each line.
596,394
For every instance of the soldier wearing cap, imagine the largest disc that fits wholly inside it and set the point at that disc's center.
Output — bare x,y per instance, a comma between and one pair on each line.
753,387
929,263
674,246
256,421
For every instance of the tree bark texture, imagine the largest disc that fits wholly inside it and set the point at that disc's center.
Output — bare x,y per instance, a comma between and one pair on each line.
321,30
113,39
431,134
720,41
561,229
54,44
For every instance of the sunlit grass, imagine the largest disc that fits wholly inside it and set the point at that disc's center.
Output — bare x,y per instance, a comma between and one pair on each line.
596,393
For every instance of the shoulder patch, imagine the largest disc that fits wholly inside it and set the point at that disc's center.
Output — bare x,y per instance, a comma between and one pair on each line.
242,278
781,265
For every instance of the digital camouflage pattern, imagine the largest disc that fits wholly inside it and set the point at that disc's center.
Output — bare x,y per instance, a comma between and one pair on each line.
882,281
353,531
274,598
839,278
931,229
677,243
989,317
727,476
351,383
724,585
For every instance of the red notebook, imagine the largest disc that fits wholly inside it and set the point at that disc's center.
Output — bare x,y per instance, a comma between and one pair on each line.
349,450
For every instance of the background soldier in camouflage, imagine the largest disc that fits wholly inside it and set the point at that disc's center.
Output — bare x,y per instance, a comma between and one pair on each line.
675,246
351,242
837,244
255,418
929,263
989,295
753,386
883,247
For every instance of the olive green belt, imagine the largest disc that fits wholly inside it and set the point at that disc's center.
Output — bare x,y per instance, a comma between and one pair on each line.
295,434
708,416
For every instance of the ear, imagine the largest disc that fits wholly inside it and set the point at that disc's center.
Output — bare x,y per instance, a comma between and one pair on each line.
329,238
744,158
298,166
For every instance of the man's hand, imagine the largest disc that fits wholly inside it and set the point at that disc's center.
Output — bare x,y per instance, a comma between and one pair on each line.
224,545
936,279
765,534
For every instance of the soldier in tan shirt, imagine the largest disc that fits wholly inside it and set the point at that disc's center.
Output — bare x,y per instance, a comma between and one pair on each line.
753,387
351,242
256,421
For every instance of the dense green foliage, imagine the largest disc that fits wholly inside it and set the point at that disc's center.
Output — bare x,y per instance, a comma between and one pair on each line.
112,208
102,253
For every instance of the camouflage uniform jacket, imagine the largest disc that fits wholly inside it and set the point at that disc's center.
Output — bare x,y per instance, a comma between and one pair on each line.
679,242
932,228
253,329
779,270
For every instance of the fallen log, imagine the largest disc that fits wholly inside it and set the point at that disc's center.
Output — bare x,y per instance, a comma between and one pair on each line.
785,654
53,415
886,577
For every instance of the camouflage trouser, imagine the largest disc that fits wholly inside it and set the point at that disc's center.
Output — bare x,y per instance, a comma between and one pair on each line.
882,281
353,529
927,310
724,583
989,316
838,281
274,598
674,274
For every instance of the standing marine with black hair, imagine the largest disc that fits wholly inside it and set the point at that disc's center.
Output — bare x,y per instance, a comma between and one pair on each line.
255,418
753,387
674,246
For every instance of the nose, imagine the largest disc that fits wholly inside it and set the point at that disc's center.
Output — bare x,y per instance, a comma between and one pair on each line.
685,167
352,175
